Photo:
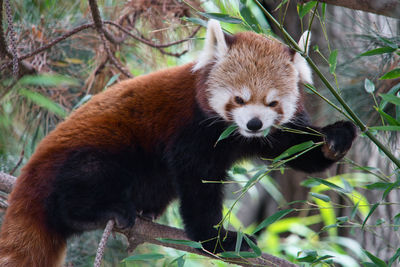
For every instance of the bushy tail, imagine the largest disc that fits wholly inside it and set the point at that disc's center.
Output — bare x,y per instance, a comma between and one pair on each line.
25,240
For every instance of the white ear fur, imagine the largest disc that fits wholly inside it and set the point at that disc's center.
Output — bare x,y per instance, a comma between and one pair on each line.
300,63
214,47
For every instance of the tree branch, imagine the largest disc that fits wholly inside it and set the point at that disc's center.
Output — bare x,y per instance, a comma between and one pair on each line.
145,231
389,8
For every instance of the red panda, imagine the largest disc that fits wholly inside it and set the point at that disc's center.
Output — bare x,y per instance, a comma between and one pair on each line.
148,140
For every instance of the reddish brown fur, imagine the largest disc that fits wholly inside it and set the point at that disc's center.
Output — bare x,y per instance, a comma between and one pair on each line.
106,121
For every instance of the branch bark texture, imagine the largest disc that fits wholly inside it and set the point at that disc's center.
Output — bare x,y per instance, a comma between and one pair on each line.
145,231
389,8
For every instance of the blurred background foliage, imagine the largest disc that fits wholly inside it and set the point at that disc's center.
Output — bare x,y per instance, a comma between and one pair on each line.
346,216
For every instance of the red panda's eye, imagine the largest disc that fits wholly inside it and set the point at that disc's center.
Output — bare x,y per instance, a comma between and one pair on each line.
273,104
239,100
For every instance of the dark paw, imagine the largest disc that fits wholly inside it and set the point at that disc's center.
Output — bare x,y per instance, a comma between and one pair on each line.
338,139
124,216
227,243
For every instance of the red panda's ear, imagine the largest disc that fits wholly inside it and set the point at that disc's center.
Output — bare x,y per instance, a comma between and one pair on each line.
215,46
300,63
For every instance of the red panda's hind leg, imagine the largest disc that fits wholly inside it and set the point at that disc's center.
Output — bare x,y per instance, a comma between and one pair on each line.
91,187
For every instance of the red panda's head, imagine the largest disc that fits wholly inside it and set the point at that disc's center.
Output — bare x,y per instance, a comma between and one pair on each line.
251,80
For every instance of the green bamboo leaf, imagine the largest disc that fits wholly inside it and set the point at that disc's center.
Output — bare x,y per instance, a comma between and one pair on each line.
321,196
249,17
266,131
396,222
112,80
253,246
317,181
180,261
391,98
189,243
196,21
310,256
304,9
48,80
239,239
378,186
221,17
369,86
378,51
333,61
375,259
43,102
390,188
394,258
388,118
271,219
369,214
393,74
294,150
225,134
323,11
392,92
141,257
385,128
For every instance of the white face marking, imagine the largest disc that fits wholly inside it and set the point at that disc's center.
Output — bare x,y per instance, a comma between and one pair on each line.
243,115
245,94
272,96
219,97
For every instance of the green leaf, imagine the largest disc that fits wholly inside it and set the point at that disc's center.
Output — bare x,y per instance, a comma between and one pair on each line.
393,74
392,92
390,188
188,243
239,239
318,181
323,11
375,259
271,219
396,222
141,257
239,170
354,210
222,17
378,51
112,80
43,102
369,214
342,219
320,196
83,100
388,42
249,17
394,258
225,134
253,246
266,131
322,258
196,21
48,80
391,98
333,61
369,86
294,150
180,261
255,177
385,128
305,8
388,118
380,221
378,186
310,256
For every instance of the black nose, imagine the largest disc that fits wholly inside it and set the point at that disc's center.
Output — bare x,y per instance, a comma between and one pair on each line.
254,124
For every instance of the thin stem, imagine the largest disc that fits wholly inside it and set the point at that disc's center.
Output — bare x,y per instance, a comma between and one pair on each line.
354,117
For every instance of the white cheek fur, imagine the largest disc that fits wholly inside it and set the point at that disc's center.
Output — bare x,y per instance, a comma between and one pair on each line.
219,97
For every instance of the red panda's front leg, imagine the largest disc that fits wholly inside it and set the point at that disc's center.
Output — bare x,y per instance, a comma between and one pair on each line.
337,139
201,210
